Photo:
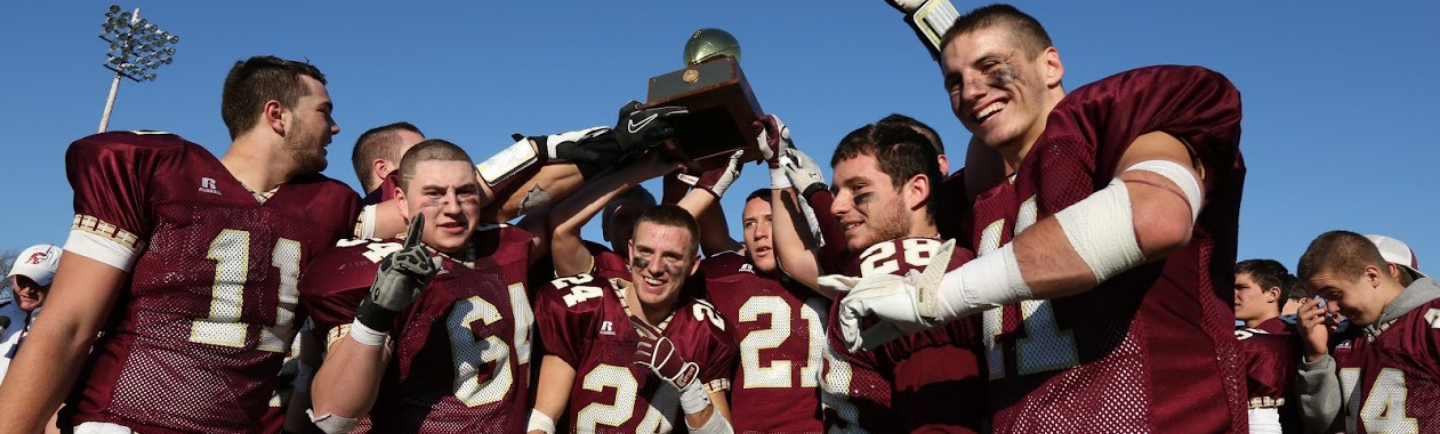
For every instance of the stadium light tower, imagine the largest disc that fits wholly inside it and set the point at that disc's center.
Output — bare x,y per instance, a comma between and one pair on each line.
137,49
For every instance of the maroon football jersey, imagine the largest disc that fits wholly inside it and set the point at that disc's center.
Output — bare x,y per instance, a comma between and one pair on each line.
274,418
582,320
1390,379
934,375
461,360
384,192
1269,361
202,325
1276,326
1151,349
780,333
608,264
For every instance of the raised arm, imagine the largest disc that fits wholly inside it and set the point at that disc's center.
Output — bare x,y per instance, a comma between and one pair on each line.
795,245
566,248
42,373
348,382
703,202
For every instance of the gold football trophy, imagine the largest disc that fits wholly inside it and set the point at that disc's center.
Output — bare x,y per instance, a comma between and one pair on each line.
722,106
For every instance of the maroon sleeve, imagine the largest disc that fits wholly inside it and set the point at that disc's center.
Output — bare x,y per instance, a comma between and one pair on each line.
608,264
834,257
564,320
716,356
335,283
1196,105
110,173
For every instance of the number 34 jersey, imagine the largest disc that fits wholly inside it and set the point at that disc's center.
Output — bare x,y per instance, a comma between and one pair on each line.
583,321
201,326
462,349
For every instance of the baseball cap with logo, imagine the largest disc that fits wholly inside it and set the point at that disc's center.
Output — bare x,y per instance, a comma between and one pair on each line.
1396,252
38,263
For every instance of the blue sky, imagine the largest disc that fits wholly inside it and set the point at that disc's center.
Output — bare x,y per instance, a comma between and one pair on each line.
1339,96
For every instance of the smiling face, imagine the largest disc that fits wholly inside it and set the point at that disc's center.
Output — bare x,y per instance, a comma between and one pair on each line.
447,193
758,242
867,204
1358,297
661,258
1001,94
310,127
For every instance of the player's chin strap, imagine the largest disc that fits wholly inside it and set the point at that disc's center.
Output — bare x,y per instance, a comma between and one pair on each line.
332,424
539,421
715,425
1100,228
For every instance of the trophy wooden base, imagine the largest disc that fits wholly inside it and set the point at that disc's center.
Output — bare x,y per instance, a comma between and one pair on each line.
722,109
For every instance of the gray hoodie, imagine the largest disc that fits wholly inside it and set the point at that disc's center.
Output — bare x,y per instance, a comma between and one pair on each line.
1318,385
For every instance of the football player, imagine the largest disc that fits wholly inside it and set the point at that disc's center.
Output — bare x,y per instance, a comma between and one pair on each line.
1104,285
624,356
1381,377
448,354
779,329
887,178
377,153
194,258
1267,343
1260,294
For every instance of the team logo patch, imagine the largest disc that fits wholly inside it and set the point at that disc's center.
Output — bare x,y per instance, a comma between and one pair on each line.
39,257
607,328
207,185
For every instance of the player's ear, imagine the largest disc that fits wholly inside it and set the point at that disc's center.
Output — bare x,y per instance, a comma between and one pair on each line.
380,168
695,263
1054,69
402,203
916,191
1272,294
273,115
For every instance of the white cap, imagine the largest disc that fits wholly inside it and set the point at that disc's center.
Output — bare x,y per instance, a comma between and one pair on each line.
1396,252
38,263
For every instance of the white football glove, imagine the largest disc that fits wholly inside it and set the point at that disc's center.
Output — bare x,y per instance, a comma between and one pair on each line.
903,304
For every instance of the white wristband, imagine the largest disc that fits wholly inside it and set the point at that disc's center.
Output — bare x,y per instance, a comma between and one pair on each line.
539,421
716,424
365,335
778,180
332,424
693,398
507,162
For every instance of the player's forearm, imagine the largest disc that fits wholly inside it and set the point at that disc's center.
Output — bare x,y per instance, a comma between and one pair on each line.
552,393
41,375
794,256
81,297
705,207
551,184
713,419
349,380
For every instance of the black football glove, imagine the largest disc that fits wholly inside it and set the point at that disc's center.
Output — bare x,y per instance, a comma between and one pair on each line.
398,282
